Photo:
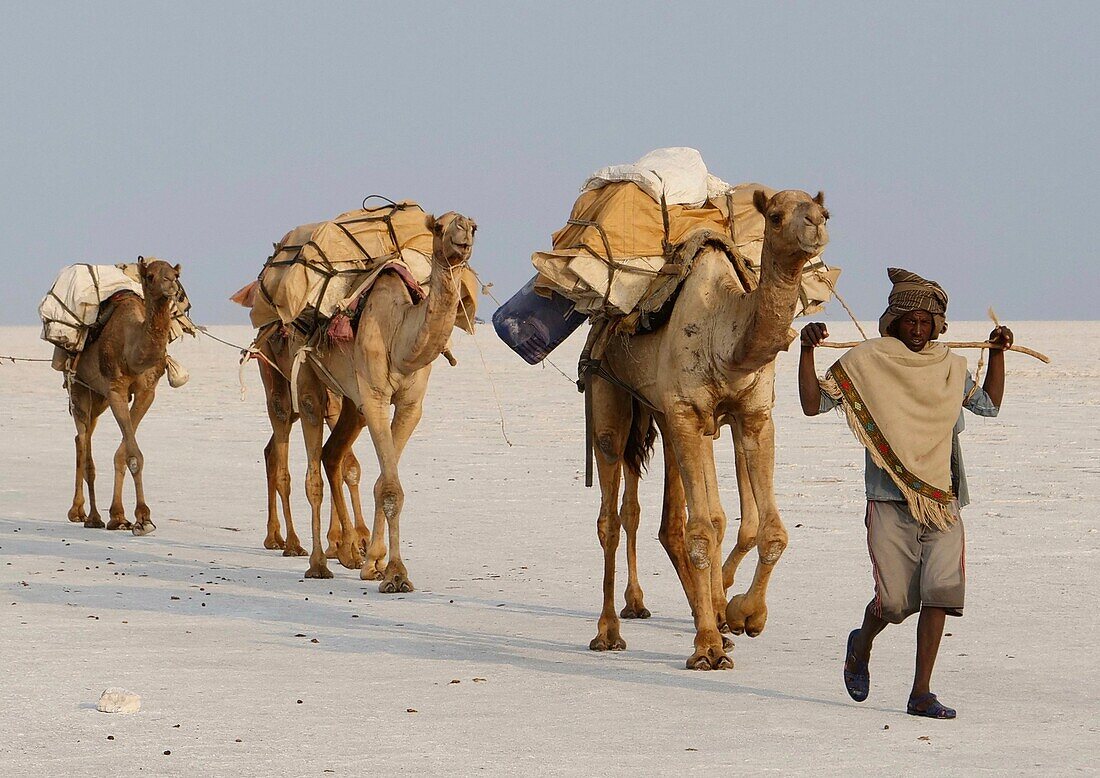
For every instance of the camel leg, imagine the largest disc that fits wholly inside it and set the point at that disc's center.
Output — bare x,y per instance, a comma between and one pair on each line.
750,517
276,461
630,515
333,406
608,529
81,412
311,399
134,460
352,473
333,456
140,406
674,518
274,537
748,612
389,497
695,456
87,408
117,510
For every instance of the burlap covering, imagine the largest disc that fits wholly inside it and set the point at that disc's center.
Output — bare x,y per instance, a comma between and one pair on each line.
72,305
902,406
322,269
607,257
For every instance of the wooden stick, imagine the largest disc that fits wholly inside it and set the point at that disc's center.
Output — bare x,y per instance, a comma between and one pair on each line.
953,344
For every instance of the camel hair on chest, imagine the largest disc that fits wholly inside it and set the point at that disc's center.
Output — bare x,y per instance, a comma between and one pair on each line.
387,364
713,363
123,362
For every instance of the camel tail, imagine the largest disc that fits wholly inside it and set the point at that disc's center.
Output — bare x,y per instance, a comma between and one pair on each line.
640,440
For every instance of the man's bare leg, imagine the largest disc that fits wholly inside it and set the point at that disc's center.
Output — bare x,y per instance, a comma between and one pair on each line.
929,632
861,653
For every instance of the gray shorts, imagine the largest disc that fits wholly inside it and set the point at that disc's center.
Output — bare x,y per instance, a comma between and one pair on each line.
913,565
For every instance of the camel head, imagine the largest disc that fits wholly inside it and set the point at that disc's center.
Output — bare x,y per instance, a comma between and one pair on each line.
159,280
452,238
794,226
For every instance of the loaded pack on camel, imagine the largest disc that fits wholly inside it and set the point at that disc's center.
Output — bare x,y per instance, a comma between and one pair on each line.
82,301
319,274
630,242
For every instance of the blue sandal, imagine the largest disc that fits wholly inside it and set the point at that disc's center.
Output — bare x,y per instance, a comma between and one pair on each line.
934,709
858,681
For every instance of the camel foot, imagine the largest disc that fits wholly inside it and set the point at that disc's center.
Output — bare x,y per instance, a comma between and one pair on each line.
710,659
350,558
318,572
143,527
274,542
743,619
396,585
372,571
607,643
119,523
77,515
332,552
631,612
94,522
294,548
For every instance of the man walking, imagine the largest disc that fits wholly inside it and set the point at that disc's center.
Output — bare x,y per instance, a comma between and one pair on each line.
902,395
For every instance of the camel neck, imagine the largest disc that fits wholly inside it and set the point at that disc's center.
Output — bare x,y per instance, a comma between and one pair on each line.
774,300
156,329
433,320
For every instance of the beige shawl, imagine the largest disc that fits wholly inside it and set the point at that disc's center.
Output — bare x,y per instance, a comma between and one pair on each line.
902,406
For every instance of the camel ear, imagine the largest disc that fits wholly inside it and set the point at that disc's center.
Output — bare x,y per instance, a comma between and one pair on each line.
177,268
142,267
760,200
433,225
820,199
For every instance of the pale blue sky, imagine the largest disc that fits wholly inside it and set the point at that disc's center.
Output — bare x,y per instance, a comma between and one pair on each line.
957,139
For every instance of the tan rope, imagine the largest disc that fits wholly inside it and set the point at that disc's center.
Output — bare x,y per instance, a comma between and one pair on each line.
821,276
22,359
484,363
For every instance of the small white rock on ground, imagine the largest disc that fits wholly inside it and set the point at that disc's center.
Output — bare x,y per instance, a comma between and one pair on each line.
244,668
118,701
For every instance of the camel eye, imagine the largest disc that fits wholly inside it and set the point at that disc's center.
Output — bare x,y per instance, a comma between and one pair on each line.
825,214
776,218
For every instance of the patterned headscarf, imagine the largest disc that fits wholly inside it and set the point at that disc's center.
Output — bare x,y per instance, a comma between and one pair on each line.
913,293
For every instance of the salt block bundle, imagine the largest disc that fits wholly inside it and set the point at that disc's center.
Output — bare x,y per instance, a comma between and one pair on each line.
621,237
319,271
70,309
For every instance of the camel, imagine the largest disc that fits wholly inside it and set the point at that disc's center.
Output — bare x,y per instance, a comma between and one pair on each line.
713,363
275,366
386,364
123,362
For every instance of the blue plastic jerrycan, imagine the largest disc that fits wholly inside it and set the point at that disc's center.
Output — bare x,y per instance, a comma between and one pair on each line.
533,325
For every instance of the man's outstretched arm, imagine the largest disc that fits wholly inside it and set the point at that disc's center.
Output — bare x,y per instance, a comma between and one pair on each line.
809,390
994,384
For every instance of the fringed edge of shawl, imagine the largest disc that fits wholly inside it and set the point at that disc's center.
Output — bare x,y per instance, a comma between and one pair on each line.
926,511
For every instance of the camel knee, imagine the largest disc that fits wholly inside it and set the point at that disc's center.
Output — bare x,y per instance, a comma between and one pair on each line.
701,544
772,543
351,472
315,489
746,544
312,412
609,445
607,528
389,495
